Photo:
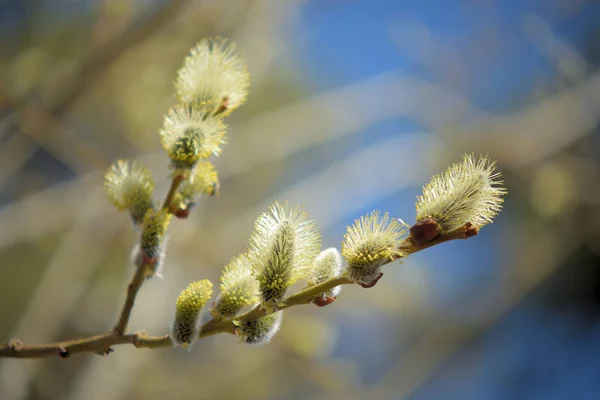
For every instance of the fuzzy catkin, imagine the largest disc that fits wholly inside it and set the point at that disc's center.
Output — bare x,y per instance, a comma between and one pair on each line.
371,242
282,248
214,77
327,265
466,192
239,288
188,309
262,330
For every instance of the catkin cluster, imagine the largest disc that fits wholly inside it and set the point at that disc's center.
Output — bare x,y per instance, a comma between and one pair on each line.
285,247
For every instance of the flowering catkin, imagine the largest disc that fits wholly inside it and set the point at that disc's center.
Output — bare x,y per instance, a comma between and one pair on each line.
239,288
129,187
469,191
282,248
213,77
188,310
154,232
372,241
260,331
189,134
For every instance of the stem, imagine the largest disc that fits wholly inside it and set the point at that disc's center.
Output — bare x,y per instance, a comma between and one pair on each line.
99,344
132,290
175,182
140,274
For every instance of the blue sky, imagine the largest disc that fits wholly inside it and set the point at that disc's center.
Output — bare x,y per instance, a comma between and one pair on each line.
530,354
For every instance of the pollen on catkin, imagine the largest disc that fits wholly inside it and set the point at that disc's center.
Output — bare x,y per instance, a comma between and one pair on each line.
282,248
239,288
154,231
328,264
189,134
188,311
202,181
260,331
213,77
371,242
129,186
469,191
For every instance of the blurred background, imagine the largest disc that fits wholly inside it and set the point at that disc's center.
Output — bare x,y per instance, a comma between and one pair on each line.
353,106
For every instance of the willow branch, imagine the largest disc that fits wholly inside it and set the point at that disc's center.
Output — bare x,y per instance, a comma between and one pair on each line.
307,295
132,290
175,182
99,344
102,344
140,274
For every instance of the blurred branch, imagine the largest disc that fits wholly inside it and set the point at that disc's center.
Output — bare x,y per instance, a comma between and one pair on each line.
42,124
101,344
97,63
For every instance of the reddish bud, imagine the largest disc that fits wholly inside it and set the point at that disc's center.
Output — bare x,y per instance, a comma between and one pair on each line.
425,231
323,301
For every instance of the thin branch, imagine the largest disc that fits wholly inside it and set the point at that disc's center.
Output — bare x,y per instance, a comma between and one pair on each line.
98,63
132,290
101,344
307,295
175,182
140,274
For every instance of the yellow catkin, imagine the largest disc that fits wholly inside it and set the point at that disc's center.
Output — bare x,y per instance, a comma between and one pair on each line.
469,191
129,186
282,249
372,241
214,77
188,309
239,288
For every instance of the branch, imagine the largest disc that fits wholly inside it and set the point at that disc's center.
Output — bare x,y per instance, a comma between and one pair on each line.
102,344
99,344
307,295
175,182
98,63
132,290
140,274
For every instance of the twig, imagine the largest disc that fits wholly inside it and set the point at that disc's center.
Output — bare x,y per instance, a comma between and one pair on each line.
140,274
101,344
175,182
98,63
132,289
306,296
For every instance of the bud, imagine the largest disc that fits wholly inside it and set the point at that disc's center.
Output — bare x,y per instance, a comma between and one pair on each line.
371,242
327,265
214,77
189,135
129,187
468,192
282,248
239,288
188,310
260,331
203,181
